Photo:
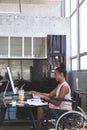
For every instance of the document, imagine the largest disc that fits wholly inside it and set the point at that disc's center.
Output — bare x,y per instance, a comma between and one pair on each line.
36,102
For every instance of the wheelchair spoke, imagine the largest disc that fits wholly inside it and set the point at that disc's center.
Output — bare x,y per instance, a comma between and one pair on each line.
71,121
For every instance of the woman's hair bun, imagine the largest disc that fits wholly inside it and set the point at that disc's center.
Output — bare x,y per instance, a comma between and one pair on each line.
62,65
62,69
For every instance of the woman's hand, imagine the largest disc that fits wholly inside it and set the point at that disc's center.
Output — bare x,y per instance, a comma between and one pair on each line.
40,95
32,92
44,97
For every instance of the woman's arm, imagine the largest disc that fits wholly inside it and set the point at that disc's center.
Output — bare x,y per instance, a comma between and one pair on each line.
38,93
51,94
63,91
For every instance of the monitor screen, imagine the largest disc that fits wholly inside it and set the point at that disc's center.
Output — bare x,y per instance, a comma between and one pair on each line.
11,80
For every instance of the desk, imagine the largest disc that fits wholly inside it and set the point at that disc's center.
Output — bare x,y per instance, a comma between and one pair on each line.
6,104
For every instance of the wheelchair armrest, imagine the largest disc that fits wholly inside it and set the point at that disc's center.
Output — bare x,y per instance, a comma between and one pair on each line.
62,99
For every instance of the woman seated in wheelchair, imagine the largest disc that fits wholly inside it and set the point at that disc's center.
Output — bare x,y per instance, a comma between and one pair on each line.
63,90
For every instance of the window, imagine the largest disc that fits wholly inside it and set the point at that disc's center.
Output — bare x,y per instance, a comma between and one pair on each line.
27,47
80,1
74,64
23,47
82,30
67,8
74,35
83,27
73,5
16,46
83,61
3,46
39,47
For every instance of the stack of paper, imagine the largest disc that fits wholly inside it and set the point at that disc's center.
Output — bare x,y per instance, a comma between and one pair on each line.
36,102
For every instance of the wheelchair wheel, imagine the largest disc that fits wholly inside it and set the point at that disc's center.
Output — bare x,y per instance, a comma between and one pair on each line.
71,120
80,110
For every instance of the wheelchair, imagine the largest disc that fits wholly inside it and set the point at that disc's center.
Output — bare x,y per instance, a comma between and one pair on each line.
68,120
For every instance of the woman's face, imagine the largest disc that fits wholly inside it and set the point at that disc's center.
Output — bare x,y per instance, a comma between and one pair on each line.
58,76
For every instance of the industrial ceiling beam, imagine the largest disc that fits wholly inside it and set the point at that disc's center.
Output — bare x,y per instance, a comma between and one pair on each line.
20,5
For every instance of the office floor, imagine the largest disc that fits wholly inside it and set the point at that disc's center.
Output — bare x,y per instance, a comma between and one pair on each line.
20,126
16,126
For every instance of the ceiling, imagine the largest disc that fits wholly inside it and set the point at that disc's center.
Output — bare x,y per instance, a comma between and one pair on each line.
30,1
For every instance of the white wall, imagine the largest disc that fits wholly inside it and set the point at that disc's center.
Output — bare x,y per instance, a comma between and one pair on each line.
37,20
33,25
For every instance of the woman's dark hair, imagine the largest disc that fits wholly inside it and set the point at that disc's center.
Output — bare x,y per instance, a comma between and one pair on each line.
62,69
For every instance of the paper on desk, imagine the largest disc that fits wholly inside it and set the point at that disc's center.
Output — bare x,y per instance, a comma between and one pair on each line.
36,102
18,103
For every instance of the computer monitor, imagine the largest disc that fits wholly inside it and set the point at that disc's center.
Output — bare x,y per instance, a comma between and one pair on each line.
11,80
